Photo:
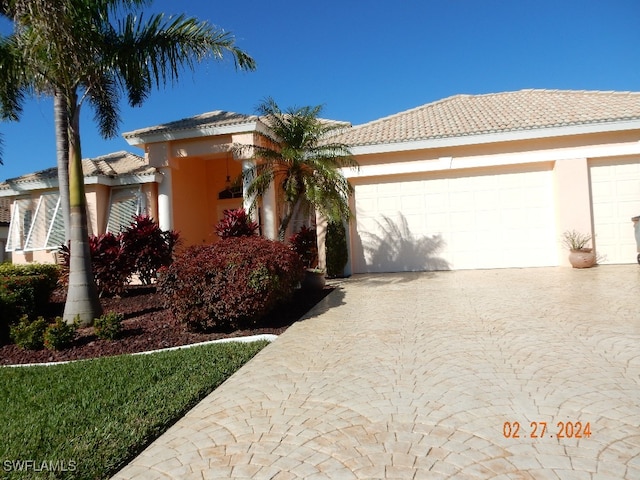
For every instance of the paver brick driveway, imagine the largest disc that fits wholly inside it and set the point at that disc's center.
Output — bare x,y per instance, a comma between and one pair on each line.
432,375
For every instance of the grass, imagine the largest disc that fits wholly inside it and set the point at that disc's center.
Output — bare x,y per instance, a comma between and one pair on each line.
91,417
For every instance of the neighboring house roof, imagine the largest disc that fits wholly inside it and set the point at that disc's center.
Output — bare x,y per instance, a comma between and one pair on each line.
470,115
112,169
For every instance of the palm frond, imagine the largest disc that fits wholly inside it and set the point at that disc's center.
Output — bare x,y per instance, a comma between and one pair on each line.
301,162
103,95
153,51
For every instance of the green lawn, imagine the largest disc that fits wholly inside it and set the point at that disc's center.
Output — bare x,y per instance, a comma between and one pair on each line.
90,418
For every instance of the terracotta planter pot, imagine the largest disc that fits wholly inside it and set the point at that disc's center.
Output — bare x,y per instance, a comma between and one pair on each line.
584,258
313,281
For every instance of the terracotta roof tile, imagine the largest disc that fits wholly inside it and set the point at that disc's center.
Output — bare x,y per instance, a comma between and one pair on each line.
464,115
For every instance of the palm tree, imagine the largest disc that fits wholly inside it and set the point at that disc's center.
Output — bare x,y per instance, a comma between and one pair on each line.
76,52
302,163
11,93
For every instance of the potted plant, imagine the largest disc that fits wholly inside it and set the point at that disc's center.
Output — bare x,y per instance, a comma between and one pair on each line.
580,256
305,244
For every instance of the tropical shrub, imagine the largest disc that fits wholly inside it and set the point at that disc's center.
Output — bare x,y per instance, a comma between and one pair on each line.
236,223
60,334
231,284
305,244
336,249
142,248
108,326
29,334
111,267
147,248
24,290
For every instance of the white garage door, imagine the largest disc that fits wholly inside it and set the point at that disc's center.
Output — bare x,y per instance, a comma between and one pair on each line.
615,192
464,222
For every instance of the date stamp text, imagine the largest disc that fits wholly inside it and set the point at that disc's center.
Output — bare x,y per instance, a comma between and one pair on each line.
542,430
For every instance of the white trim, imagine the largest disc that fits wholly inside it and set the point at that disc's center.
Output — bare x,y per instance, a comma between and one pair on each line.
18,188
484,138
165,201
197,132
252,338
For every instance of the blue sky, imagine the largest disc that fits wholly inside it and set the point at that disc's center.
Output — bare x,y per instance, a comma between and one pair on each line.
365,59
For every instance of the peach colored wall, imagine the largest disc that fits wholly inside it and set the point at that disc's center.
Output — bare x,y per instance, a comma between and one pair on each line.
510,148
38,256
203,147
196,183
573,200
98,197
189,200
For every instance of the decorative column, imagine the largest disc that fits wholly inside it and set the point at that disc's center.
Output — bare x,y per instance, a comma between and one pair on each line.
165,200
270,214
247,178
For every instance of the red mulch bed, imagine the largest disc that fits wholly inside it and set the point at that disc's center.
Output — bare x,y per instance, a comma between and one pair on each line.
149,326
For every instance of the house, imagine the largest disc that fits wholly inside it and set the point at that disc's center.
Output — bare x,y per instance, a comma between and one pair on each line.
200,165
118,186
470,181
492,181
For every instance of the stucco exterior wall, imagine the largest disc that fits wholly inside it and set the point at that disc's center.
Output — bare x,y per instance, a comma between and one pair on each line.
196,183
568,158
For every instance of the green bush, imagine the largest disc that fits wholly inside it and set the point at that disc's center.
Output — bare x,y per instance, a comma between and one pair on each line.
336,249
27,334
9,313
60,335
25,289
108,326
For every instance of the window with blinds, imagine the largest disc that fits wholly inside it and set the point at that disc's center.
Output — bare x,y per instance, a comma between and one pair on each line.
124,204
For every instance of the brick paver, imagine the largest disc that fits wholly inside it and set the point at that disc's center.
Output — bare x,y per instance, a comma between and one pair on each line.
414,375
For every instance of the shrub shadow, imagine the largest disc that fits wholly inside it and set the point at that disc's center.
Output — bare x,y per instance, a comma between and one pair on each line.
395,248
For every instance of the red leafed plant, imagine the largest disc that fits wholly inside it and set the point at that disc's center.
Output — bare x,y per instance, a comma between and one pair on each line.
147,247
236,223
230,284
305,244
141,248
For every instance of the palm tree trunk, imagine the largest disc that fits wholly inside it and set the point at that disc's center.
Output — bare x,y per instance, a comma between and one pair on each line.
62,149
284,223
82,295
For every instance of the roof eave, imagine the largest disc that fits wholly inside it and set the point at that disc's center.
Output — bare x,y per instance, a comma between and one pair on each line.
20,188
140,139
509,136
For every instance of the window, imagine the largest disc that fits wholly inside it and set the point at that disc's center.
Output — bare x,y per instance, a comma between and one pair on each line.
124,204
36,224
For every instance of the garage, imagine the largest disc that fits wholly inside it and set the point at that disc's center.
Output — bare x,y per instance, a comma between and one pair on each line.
455,220
615,195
